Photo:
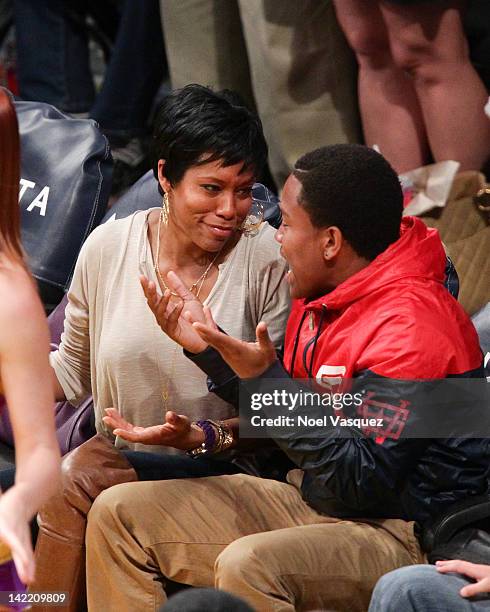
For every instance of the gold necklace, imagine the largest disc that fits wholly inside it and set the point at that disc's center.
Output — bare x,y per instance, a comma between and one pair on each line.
166,384
200,282
156,267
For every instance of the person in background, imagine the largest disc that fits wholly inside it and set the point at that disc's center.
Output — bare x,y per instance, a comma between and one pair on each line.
53,62
24,365
419,95
427,588
288,58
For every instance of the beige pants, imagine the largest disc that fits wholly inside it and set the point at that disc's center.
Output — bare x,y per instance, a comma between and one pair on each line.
288,56
253,537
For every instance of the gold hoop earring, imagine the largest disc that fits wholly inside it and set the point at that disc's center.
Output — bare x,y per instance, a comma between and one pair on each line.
165,209
252,222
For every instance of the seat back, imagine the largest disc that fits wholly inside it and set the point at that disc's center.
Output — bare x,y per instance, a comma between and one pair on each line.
66,171
481,321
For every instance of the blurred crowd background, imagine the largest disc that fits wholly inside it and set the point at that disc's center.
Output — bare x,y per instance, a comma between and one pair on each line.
411,78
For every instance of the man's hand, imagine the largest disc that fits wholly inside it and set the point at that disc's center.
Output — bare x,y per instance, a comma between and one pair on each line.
168,315
480,573
177,431
247,359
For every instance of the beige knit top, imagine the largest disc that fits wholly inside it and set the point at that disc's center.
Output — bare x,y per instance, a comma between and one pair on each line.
113,348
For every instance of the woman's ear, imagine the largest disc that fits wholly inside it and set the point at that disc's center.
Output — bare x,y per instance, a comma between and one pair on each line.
162,179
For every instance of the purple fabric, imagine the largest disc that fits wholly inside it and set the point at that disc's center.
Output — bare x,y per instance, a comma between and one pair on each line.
10,581
73,425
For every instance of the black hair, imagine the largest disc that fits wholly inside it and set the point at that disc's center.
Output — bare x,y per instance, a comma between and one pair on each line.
195,125
354,188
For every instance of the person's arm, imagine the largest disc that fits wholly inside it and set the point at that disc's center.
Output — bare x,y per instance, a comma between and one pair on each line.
343,467
269,300
353,471
221,379
26,380
178,431
58,391
71,372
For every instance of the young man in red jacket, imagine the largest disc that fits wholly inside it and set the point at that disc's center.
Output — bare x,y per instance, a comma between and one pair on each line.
370,310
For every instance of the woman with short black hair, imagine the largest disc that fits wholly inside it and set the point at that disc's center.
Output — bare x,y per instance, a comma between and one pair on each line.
208,151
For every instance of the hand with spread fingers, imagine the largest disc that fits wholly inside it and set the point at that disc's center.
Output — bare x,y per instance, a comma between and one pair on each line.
480,573
168,315
247,359
177,432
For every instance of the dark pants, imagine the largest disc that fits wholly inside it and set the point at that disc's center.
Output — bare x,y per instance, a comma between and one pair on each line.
53,61
150,466
420,588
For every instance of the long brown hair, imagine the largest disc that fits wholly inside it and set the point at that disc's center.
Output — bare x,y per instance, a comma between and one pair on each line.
10,243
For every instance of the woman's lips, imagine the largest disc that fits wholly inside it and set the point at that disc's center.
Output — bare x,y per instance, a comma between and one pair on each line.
220,231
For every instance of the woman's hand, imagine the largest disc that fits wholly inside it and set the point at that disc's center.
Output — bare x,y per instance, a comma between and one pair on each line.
247,359
15,533
177,431
168,315
480,573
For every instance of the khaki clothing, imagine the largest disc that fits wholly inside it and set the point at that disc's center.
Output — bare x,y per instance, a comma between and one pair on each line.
113,347
288,56
253,537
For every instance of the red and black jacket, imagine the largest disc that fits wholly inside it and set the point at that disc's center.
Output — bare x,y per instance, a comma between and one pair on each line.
392,321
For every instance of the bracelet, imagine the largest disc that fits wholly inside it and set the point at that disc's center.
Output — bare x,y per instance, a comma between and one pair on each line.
217,438
210,430
227,437
209,434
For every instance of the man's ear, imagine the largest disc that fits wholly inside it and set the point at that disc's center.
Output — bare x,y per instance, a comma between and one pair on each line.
332,241
162,179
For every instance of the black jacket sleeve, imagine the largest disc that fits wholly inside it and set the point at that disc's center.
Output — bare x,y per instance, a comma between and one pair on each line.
344,470
222,380
348,473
